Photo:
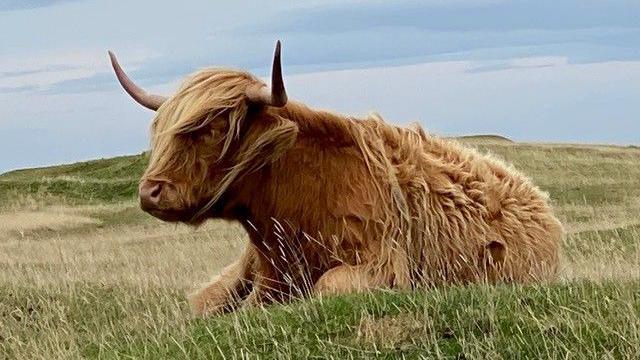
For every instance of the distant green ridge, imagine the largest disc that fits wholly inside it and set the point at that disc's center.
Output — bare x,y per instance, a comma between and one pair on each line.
485,139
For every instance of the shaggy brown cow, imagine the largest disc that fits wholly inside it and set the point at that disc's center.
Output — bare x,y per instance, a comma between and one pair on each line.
334,204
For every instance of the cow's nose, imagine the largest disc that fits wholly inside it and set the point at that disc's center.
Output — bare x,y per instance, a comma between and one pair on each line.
149,192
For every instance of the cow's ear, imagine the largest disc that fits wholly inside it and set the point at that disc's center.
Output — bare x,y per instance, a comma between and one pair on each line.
268,144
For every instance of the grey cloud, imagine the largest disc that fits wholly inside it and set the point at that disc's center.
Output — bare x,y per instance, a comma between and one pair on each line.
95,83
13,5
106,81
51,68
17,89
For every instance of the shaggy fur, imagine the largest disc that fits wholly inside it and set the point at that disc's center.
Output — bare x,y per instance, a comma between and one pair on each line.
335,204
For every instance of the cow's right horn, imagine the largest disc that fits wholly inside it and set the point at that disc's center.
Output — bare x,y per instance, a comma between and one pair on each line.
138,94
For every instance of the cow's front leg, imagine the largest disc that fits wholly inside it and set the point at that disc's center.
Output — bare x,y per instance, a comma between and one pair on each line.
345,279
269,285
278,282
264,292
227,290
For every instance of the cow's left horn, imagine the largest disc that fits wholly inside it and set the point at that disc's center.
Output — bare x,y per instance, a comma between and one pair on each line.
276,95
138,94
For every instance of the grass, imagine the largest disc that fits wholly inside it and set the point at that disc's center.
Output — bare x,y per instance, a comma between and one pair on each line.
556,321
85,274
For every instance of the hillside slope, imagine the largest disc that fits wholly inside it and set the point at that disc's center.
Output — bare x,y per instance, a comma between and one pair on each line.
113,179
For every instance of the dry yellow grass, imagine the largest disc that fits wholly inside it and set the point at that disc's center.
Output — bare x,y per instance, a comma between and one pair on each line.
25,221
51,248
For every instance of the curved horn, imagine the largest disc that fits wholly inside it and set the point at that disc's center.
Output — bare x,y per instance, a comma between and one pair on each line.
276,95
138,94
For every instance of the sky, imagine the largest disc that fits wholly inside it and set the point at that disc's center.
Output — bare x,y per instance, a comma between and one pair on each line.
536,71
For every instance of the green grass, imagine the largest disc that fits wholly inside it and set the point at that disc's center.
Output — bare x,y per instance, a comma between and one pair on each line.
556,321
621,240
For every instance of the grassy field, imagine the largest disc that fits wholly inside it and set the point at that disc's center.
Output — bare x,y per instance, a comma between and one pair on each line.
85,274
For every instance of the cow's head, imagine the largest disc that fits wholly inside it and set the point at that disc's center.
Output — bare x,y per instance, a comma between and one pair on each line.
194,137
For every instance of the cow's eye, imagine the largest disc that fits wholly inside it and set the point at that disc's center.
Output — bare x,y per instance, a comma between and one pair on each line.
199,134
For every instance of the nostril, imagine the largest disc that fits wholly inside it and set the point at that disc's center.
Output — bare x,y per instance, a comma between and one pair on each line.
155,192
150,193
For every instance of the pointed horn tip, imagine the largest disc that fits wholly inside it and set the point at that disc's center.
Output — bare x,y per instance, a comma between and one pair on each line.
278,46
112,58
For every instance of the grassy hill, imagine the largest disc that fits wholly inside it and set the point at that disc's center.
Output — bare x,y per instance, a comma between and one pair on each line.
485,139
102,180
84,273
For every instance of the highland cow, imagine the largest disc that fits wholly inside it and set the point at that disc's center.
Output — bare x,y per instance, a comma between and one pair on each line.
334,204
